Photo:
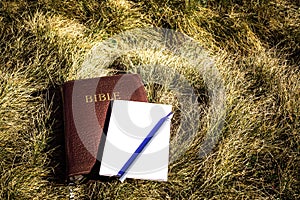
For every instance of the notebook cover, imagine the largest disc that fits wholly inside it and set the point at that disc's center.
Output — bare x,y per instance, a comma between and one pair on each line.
85,105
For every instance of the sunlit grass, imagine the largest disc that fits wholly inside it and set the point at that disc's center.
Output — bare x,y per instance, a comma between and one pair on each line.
255,45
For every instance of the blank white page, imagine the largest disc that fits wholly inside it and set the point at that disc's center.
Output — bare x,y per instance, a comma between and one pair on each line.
129,124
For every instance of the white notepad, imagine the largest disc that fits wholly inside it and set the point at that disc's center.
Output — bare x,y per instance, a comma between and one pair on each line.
130,122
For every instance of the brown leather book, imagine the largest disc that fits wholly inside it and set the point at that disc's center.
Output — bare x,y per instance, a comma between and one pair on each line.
86,104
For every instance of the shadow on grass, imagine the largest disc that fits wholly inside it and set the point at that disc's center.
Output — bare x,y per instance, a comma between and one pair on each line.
57,140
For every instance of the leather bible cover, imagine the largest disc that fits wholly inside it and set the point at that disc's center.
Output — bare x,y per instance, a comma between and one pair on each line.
86,103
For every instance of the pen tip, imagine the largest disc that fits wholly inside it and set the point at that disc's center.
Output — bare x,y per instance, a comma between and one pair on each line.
169,114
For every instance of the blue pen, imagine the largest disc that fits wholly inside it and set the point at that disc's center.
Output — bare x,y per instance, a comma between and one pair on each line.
141,147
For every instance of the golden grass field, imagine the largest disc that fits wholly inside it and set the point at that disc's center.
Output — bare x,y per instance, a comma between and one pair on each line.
256,48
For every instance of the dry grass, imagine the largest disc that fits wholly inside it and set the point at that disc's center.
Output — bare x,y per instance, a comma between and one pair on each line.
256,49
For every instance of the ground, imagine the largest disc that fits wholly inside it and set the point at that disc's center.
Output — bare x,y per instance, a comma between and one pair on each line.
255,46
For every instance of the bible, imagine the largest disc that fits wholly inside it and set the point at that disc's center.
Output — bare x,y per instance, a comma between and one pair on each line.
86,108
